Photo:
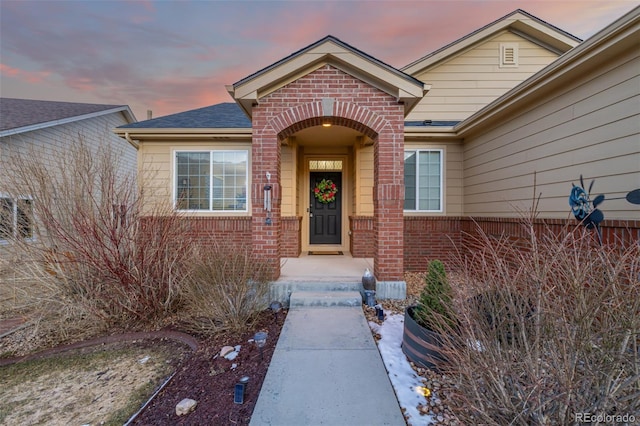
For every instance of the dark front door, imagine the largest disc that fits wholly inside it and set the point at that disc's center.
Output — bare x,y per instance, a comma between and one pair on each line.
325,219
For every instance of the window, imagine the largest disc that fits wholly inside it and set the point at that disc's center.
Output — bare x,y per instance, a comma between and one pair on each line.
211,180
423,180
16,217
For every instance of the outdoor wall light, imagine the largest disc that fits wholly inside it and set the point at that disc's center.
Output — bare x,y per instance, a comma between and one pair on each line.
261,339
275,306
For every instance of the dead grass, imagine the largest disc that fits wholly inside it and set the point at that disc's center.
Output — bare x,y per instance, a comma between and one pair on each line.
104,386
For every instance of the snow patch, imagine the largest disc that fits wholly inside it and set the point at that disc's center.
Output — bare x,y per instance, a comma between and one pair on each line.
406,383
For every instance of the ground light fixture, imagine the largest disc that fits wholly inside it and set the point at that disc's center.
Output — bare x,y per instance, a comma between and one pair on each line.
275,306
261,339
239,390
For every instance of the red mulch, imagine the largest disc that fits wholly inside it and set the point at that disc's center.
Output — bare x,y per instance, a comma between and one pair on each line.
211,381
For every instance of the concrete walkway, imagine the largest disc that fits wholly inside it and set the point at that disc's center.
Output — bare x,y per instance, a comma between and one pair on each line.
326,370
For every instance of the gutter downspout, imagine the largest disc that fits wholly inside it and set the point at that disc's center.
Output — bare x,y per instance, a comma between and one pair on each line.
131,141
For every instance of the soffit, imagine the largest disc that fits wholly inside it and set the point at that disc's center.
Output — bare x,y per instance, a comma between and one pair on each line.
518,22
330,51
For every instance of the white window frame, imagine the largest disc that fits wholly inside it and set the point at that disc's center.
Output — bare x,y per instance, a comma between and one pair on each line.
175,183
417,182
14,218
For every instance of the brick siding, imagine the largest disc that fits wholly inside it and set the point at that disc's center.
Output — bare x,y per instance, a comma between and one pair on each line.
361,228
429,238
211,230
291,236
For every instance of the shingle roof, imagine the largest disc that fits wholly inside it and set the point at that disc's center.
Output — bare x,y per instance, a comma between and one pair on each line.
339,42
17,113
226,115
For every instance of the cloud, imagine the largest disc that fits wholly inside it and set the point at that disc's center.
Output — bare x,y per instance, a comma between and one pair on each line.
175,56
24,75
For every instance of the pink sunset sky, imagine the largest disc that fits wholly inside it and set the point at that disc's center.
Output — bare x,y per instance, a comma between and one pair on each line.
173,56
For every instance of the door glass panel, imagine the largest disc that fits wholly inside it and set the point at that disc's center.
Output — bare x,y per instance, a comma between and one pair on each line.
325,165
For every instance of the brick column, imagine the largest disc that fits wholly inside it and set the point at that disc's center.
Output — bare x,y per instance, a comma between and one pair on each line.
265,155
388,201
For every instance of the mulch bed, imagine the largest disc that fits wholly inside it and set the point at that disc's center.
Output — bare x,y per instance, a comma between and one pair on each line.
209,379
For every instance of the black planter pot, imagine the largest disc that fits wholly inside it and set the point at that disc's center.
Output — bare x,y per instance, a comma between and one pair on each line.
419,344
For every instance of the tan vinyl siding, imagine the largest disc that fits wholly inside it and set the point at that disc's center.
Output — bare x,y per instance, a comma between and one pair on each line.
156,162
288,180
591,128
364,182
154,177
453,172
466,83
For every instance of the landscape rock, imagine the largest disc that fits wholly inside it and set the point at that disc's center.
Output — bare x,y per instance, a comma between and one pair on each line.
186,406
226,350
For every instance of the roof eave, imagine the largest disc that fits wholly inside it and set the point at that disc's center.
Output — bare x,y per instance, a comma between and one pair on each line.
532,28
124,109
441,133
139,134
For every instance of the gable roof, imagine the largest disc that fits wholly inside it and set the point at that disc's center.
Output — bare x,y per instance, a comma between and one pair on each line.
329,50
24,115
225,115
619,37
519,22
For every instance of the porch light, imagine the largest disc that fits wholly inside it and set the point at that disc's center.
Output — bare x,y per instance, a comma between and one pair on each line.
261,339
326,123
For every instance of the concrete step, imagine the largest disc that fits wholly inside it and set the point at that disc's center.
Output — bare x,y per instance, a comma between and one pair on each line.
325,299
337,285
282,290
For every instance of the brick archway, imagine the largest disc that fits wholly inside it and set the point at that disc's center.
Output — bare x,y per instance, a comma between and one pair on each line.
331,94
312,114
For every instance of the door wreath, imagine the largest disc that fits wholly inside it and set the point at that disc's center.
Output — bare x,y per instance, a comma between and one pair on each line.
325,191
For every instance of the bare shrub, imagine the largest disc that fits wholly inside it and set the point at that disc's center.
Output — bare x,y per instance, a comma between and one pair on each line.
227,286
97,254
548,329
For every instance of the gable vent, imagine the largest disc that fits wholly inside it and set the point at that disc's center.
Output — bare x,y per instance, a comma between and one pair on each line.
508,55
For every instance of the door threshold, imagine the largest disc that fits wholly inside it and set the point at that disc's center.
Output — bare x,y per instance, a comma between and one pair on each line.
325,253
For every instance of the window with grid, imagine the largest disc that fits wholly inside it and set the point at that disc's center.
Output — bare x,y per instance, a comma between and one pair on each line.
16,218
211,180
423,180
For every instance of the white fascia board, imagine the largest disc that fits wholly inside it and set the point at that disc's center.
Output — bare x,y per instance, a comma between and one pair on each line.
430,133
180,133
